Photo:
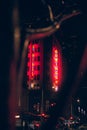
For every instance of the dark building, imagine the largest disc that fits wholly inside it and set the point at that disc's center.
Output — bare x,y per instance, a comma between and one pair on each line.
9,65
43,73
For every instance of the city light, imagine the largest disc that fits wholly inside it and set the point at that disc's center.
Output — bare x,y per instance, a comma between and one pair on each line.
78,100
56,67
34,64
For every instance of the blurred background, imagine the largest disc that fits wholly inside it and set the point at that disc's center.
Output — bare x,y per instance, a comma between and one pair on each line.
43,64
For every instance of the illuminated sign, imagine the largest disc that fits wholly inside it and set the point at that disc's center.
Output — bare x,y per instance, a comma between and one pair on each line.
34,64
56,67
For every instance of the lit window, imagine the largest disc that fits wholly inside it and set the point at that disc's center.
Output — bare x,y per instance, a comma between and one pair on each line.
34,67
33,49
35,58
35,85
38,85
32,85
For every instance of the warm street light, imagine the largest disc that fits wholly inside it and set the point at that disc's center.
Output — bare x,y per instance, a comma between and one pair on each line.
78,100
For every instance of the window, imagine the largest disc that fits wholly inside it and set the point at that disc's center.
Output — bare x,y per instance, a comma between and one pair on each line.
32,58
34,77
33,49
38,67
35,67
38,58
38,77
38,49
35,85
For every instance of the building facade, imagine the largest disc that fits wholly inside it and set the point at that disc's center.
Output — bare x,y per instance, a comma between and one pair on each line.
44,73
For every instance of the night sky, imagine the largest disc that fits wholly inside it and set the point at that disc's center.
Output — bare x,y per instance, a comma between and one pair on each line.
75,41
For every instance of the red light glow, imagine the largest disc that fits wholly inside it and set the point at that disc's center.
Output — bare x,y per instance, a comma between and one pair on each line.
56,67
34,64
37,125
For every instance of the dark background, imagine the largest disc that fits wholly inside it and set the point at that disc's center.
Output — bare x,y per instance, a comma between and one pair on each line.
29,10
